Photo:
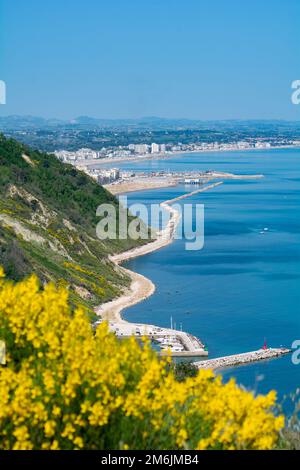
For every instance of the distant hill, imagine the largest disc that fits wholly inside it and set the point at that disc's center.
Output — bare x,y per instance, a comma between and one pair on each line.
47,225
16,122
49,135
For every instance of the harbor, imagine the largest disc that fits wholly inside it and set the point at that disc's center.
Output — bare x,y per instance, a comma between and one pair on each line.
140,181
165,340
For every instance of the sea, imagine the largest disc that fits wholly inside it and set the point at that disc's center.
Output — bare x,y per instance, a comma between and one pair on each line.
243,287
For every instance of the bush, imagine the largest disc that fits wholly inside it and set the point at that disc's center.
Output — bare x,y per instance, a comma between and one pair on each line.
183,370
66,387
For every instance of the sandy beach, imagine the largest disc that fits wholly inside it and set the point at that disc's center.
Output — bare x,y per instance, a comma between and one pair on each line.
165,156
140,185
141,287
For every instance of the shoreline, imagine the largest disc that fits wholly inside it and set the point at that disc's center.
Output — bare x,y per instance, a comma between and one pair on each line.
141,287
153,182
135,186
166,156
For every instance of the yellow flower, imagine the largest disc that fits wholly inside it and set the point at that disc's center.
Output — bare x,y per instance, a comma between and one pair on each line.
65,387
56,411
78,441
50,428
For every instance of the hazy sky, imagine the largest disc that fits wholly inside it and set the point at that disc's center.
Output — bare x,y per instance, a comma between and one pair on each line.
206,59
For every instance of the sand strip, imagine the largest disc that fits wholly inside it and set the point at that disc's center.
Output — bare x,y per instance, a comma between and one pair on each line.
139,184
141,287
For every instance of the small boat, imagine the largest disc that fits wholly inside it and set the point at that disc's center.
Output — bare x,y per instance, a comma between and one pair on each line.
167,344
174,348
177,349
167,340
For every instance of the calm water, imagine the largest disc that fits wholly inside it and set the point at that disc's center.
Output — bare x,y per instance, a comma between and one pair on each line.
242,286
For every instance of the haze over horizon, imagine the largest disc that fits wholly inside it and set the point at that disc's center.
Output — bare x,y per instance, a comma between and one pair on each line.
124,60
139,119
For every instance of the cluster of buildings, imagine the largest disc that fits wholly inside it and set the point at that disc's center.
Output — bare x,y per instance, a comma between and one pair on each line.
143,149
133,150
216,146
89,154
81,154
111,152
103,176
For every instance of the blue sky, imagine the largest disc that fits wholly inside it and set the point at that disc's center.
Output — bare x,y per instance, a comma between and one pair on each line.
205,59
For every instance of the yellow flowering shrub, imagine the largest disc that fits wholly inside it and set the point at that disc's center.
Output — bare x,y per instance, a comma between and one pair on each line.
67,387
80,269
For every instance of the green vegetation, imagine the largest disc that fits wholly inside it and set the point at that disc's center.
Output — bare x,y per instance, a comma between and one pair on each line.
66,387
48,225
183,370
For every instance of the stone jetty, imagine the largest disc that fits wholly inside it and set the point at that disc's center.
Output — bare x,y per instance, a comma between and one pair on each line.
240,359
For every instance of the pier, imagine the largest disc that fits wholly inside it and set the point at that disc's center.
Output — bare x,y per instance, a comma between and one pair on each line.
153,180
244,358
193,193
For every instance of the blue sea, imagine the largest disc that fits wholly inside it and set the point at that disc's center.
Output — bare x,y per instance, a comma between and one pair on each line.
243,286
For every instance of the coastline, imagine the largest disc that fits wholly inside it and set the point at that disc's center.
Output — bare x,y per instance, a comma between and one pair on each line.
148,183
141,287
140,185
166,156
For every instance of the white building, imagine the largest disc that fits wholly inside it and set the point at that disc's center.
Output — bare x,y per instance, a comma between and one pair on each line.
108,176
141,148
115,174
154,148
262,145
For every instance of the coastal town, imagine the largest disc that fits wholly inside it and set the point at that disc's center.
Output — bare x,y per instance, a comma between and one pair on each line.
94,163
136,151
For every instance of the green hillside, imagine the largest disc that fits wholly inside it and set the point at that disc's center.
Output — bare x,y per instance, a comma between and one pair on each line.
48,225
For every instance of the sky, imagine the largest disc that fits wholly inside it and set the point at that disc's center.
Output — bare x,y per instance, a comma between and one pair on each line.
199,59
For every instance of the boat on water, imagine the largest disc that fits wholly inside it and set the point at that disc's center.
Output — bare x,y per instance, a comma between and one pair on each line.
167,340
174,348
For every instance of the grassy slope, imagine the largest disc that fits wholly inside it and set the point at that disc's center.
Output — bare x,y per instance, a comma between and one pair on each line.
48,225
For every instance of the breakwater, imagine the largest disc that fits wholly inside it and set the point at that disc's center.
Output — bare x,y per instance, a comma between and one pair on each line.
193,193
141,288
240,359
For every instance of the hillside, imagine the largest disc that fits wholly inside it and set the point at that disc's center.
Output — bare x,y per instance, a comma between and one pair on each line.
48,225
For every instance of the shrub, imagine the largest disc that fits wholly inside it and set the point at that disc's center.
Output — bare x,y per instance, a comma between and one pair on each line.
67,387
183,370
